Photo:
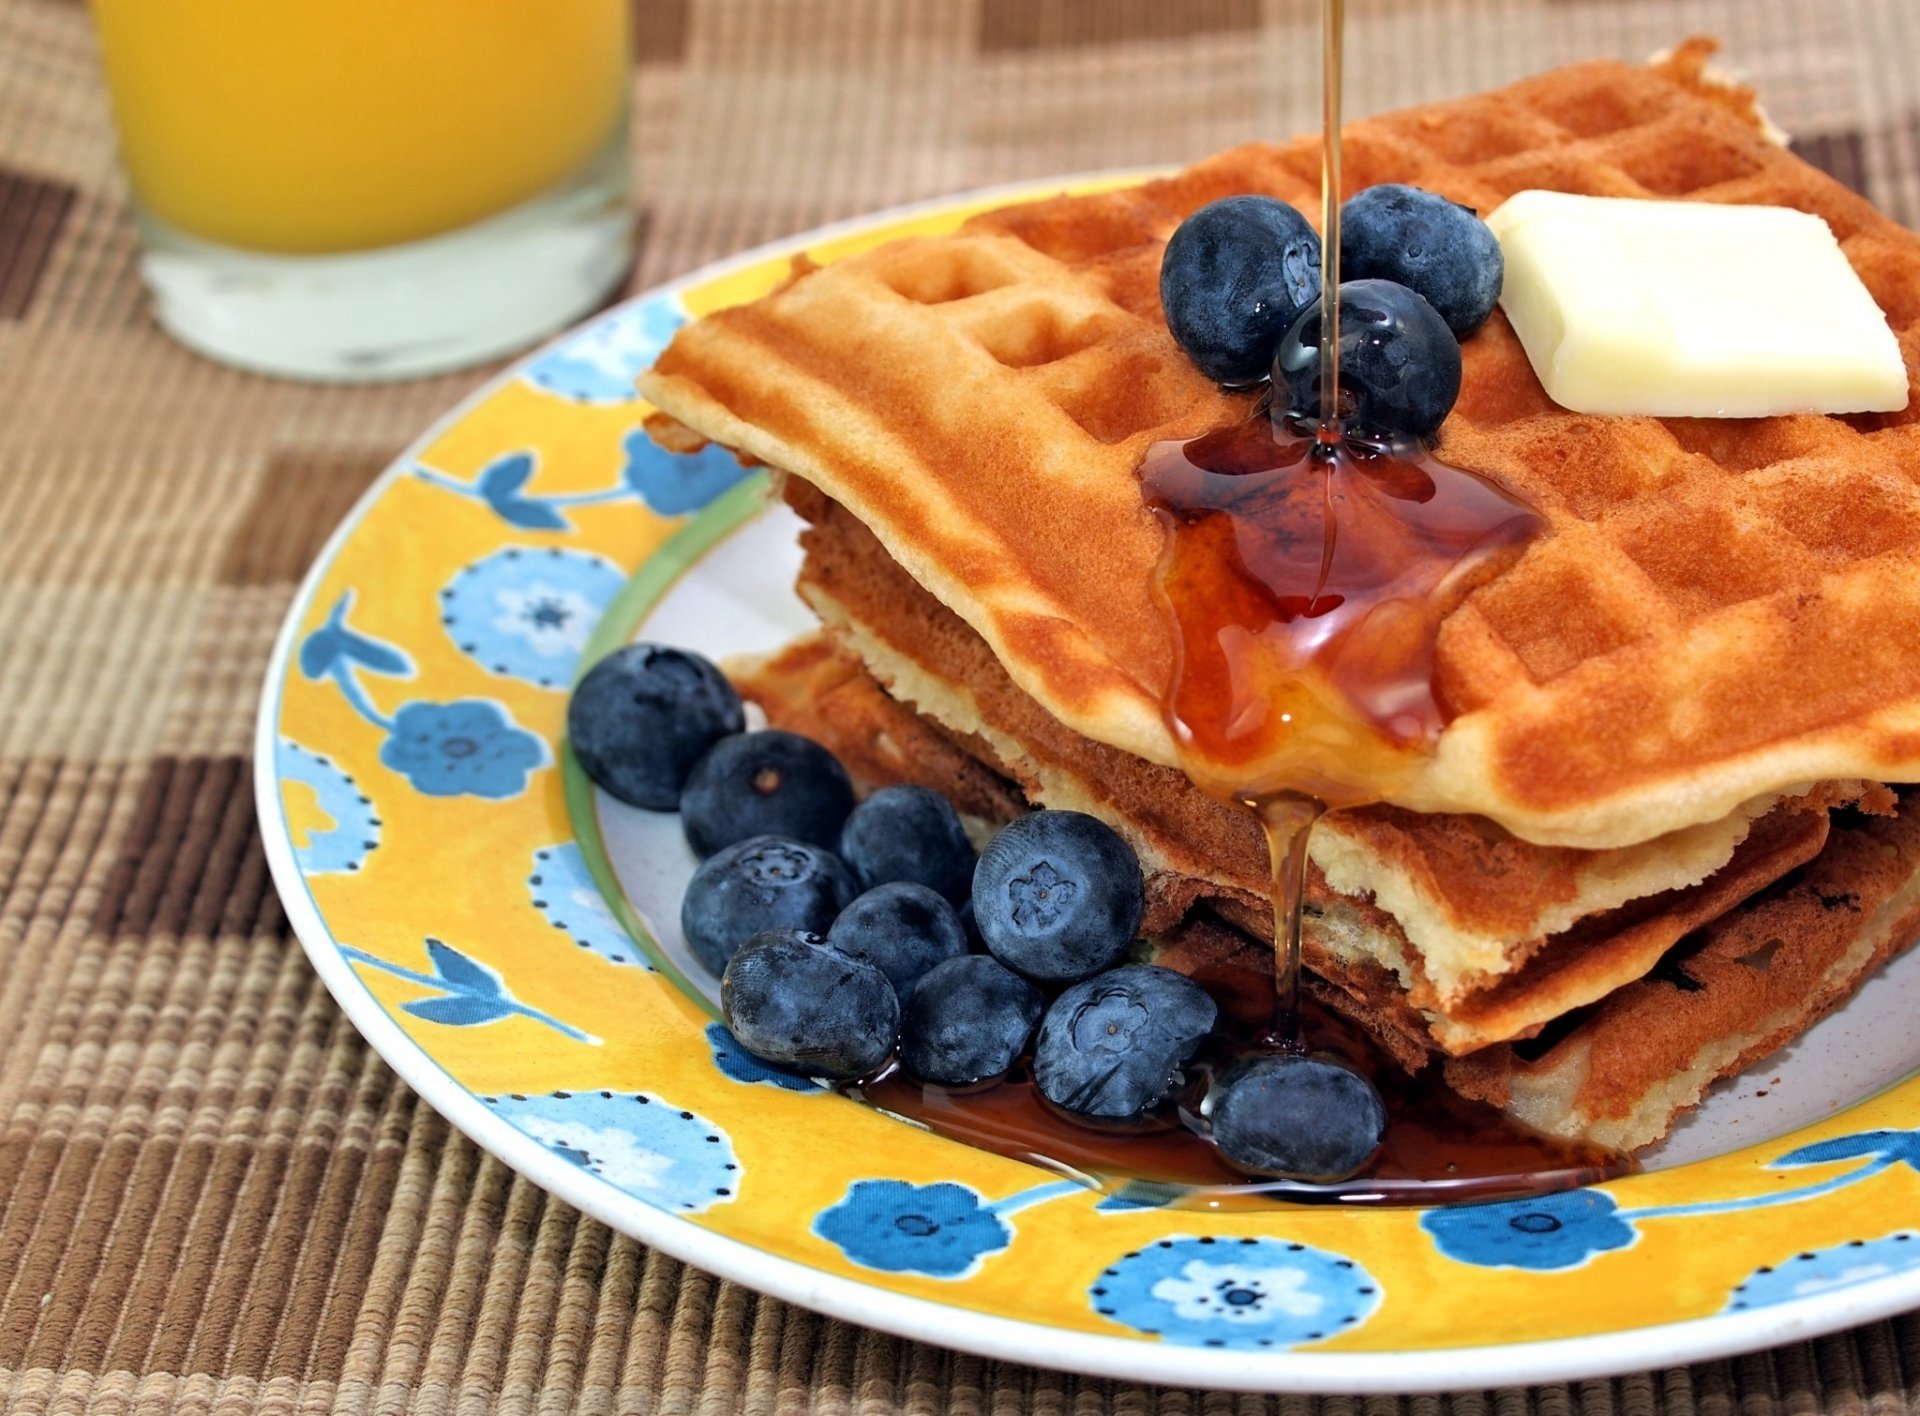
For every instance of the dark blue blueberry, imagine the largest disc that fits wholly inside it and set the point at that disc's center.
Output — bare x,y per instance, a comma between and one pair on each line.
644,715
1399,363
1235,275
1435,247
902,929
791,1000
769,783
909,833
1112,1048
967,1020
766,882
1297,1117
1057,895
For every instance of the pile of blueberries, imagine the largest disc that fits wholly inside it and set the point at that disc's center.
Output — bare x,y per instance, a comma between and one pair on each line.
1240,284
849,935
845,932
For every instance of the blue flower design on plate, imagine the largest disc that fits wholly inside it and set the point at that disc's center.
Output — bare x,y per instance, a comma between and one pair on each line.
942,1230
466,993
562,889
527,613
502,488
332,650
736,1062
1821,1270
470,747
600,363
675,483
1557,1231
355,830
466,748
1246,1293
651,1149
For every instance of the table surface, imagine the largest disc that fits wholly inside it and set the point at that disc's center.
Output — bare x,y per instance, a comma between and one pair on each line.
212,1193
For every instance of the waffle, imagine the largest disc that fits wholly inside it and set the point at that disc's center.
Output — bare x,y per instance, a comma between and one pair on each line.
1470,904
1722,611
1763,950
1741,987
1586,931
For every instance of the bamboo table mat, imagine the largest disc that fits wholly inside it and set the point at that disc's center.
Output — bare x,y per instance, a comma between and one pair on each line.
213,1195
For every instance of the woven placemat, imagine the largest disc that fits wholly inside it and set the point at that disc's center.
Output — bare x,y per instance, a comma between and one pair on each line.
212,1194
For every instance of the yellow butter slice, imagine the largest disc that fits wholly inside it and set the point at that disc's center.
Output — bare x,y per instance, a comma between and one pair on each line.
1692,309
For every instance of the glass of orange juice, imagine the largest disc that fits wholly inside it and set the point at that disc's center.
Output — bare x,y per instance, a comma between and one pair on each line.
363,189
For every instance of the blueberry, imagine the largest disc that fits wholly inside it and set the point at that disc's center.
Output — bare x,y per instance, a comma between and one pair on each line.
791,1000
765,882
644,715
909,833
902,929
967,1020
1235,275
1438,248
1399,363
768,783
1112,1048
1057,895
1298,1117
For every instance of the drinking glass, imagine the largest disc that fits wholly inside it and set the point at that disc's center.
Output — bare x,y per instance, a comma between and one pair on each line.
366,189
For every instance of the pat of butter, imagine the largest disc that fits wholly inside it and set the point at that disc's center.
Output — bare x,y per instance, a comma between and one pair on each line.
1692,309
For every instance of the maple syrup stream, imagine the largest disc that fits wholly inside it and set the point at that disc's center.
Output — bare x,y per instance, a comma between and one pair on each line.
1333,27
1288,816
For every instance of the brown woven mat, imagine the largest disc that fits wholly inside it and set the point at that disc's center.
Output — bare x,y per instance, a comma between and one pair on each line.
212,1194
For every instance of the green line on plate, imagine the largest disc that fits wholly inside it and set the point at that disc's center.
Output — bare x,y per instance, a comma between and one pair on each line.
636,600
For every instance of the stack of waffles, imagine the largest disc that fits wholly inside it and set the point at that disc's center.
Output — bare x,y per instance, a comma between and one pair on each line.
1654,840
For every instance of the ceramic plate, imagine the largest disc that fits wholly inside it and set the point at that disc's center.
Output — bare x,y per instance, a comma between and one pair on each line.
415,804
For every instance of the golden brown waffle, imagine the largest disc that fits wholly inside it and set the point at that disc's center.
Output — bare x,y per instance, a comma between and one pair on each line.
1723,609
1741,988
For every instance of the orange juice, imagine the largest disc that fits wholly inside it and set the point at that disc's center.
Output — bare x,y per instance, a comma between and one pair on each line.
306,126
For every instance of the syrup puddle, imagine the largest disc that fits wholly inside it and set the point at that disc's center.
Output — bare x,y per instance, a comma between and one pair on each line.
1439,1148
